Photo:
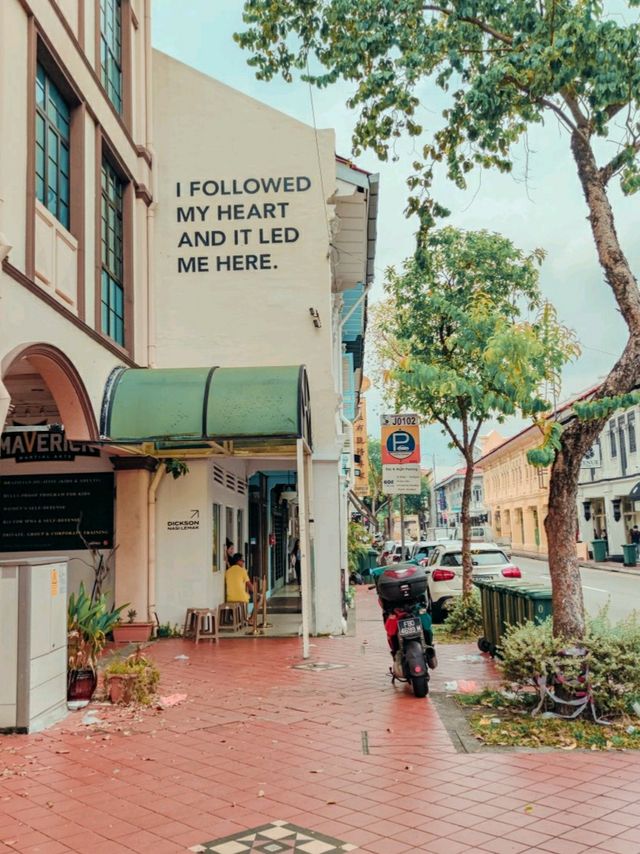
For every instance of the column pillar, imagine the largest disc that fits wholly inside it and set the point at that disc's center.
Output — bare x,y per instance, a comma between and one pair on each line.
529,529
133,478
5,400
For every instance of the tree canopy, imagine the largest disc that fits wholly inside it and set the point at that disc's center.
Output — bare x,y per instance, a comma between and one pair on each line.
501,64
464,337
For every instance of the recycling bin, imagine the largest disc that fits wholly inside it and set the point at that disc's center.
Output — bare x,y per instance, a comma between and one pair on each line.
366,562
535,604
629,554
510,603
599,548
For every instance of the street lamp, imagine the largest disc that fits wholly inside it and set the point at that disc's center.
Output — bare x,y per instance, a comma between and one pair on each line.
587,510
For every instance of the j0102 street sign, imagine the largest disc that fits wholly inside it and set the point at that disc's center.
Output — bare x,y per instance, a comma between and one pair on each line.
400,446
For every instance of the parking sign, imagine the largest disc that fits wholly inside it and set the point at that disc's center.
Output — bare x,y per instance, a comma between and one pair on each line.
400,440
400,446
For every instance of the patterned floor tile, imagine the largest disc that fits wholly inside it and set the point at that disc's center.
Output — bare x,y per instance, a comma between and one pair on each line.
278,837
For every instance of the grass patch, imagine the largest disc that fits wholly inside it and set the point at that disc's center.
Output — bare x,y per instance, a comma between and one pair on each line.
444,635
505,720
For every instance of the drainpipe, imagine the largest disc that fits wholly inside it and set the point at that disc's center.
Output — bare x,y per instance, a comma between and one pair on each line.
151,539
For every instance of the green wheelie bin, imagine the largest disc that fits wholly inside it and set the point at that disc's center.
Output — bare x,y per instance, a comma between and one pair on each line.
629,554
487,641
599,548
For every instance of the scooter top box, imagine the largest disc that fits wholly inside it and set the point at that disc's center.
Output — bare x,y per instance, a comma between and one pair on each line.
402,583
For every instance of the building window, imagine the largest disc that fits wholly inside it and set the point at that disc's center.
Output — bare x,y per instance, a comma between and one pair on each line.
612,439
53,135
112,278
111,50
631,429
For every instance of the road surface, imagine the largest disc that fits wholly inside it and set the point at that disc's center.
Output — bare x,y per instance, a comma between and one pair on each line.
599,587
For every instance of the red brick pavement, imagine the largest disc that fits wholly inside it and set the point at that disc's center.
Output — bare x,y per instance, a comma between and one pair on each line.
257,741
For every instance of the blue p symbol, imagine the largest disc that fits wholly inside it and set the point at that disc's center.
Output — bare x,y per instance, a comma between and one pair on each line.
401,444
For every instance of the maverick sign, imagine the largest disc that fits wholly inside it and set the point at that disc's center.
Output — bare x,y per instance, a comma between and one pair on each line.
44,512
35,447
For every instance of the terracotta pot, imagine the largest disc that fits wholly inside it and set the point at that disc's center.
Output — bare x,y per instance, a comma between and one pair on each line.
132,632
81,684
120,686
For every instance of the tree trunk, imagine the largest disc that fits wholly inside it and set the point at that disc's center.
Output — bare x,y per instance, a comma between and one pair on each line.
467,566
577,438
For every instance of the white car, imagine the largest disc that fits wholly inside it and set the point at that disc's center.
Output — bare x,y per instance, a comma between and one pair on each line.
422,550
396,553
444,572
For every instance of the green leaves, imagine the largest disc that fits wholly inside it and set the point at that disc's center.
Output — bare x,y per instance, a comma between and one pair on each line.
512,64
452,336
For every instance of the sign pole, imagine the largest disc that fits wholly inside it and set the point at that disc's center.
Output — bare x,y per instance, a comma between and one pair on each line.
402,557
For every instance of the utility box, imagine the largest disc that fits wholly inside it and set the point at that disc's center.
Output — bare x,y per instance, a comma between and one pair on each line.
33,640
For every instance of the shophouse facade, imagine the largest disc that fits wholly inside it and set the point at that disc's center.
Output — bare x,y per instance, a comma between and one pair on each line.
186,285
449,499
609,486
76,178
516,493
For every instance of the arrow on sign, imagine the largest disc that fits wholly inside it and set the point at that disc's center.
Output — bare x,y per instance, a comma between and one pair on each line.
195,514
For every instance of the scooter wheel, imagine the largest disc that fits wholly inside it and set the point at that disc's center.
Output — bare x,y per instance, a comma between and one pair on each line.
420,685
484,645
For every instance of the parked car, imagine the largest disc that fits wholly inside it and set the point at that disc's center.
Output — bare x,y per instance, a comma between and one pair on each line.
423,549
485,534
444,577
396,554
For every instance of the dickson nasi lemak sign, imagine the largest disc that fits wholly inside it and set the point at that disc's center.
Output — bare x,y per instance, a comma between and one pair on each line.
31,447
232,225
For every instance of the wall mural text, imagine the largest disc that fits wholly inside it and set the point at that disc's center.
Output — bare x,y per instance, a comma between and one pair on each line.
220,215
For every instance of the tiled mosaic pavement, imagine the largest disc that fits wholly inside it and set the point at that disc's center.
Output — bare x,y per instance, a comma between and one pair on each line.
336,752
277,837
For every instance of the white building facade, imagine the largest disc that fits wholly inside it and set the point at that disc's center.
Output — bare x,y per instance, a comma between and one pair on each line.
187,284
609,487
449,499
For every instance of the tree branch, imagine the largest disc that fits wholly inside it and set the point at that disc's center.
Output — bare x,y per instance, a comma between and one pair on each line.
607,172
581,120
444,423
475,432
475,21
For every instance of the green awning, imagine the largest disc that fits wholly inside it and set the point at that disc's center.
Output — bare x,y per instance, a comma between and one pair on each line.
190,405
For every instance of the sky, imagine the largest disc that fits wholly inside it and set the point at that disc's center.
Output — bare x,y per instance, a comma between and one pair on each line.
538,205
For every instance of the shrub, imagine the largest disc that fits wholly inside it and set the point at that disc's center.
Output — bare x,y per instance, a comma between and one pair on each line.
464,616
605,664
145,671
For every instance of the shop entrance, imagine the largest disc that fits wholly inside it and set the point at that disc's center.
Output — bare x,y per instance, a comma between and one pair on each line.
273,530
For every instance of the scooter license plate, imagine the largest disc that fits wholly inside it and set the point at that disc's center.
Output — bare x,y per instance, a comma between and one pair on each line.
409,627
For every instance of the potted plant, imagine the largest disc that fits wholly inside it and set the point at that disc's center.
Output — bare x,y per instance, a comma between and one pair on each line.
132,631
88,623
131,679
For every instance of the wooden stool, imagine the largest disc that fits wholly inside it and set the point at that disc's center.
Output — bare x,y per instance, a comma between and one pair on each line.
234,611
206,624
190,622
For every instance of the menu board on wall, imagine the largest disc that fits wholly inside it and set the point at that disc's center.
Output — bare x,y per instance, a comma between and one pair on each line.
44,512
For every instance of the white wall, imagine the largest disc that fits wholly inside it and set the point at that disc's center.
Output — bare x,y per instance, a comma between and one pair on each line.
327,565
185,577
205,131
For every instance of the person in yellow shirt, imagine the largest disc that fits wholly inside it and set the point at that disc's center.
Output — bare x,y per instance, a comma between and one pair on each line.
239,585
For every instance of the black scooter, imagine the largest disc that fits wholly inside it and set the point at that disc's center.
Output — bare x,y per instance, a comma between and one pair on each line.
401,595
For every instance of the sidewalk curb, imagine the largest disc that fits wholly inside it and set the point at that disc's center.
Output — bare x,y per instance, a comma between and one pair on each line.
586,565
